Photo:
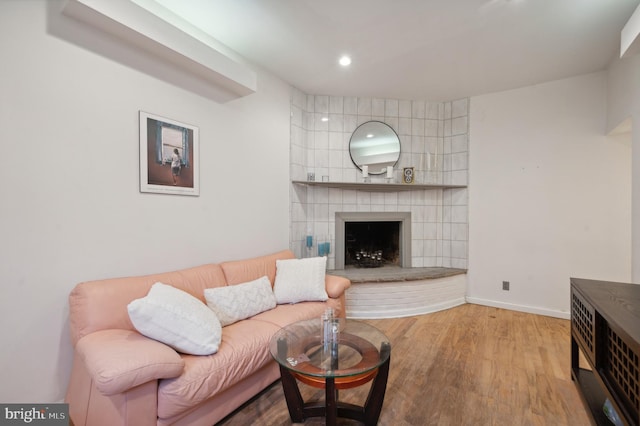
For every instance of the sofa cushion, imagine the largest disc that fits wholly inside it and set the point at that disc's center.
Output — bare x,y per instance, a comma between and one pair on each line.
244,350
233,303
119,360
176,318
300,280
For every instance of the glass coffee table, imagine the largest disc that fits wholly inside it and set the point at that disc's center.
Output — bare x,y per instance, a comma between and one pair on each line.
361,353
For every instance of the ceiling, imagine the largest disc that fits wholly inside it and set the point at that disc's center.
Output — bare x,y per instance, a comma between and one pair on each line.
434,50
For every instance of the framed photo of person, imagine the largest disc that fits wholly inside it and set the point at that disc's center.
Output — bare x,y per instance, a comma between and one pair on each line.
169,162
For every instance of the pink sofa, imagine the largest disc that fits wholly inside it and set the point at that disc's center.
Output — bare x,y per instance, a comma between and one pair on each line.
120,377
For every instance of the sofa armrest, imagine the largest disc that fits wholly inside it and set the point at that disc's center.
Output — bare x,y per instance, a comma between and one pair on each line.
336,286
118,360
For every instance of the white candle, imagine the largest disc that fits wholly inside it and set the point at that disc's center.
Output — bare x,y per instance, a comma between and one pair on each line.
365,171
389,172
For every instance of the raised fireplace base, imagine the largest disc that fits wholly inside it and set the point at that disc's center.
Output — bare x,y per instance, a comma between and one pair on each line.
416,291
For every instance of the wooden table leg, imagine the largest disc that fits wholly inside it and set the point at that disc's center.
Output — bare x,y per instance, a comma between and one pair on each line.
373,405
292,395
331,402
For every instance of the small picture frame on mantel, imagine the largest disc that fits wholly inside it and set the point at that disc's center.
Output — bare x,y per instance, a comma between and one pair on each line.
408,175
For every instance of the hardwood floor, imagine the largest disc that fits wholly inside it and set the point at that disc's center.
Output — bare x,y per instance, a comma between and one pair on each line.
469,365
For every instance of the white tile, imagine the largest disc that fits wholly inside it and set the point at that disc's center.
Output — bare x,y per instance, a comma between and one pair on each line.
349,207
404,126
446,231
459,177
350,123
459,161
417,127
311,100
447,110
321,160
459,108
336,174
459,126
336,122
336,141
417,248
349,196
392,122
377,107
321,104
404,109
363,198
335,158
364,106
447,128
430,231
431,128
459,143
433,110
459,249
459,197
377,198
391,108
318,124
459,214
459,231
336,104
430,248
350,105
321,141
418,109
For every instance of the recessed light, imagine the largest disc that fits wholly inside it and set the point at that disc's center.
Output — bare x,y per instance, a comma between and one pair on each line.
345,61
324,119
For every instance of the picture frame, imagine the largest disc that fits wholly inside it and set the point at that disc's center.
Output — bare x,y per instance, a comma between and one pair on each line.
408,175
169,156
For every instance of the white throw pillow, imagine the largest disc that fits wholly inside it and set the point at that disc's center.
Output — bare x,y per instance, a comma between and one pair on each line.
300,280
233,303
176,318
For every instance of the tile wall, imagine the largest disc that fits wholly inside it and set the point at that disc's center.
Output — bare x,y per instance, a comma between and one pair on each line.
434,140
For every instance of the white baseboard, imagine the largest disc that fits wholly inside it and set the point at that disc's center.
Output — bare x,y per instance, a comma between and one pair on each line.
519,308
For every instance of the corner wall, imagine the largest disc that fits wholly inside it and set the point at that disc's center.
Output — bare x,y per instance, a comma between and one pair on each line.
549,195
433,139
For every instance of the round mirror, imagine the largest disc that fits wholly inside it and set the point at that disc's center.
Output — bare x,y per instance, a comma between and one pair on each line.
374,144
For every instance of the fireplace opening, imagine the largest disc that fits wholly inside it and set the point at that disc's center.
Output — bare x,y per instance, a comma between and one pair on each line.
372,244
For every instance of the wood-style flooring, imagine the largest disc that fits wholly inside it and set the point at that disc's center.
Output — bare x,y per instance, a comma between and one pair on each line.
469,365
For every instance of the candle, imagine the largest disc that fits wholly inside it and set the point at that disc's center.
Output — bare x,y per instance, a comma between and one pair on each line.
365,171
389,172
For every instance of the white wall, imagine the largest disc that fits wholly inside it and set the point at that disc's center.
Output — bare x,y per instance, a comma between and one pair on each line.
623,102
549,195
71,208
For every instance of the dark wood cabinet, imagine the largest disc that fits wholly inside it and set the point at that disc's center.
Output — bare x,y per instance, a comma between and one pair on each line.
605,327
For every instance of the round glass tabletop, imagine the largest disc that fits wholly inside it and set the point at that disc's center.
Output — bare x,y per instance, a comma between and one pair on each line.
360,348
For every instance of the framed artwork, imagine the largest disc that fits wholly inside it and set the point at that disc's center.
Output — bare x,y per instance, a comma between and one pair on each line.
408,175
169,161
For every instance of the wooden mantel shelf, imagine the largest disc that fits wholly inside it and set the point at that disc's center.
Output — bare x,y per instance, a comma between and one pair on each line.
376,187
